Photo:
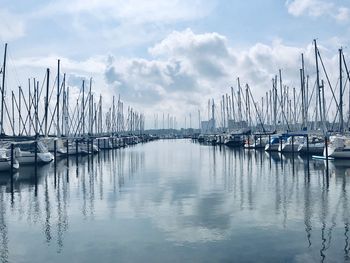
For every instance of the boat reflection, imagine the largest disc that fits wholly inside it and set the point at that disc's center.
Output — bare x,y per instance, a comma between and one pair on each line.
190,193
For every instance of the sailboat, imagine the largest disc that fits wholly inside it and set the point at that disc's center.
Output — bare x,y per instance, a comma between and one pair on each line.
316,146
234,140
105,143
273,144
257,143
291,145
27,152
49,143
338,147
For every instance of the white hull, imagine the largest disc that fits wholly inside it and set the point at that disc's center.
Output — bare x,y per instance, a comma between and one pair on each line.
338,153
338,147
288,148
29,158
316,148
255,146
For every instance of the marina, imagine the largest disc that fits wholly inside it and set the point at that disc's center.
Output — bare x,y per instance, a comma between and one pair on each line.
174,131
177,200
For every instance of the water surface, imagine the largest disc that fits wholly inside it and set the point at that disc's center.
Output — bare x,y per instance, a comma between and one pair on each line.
177,201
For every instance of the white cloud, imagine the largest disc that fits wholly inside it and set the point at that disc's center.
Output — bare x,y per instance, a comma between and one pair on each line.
184,66
316,8
308,7
343,14
186,69
122,24
11,26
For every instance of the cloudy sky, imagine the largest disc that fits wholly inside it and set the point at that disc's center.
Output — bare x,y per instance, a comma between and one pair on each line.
170,56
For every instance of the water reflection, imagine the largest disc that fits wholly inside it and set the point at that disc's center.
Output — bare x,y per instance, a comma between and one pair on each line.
211,202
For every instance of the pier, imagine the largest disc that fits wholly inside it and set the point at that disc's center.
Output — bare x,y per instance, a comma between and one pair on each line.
174,131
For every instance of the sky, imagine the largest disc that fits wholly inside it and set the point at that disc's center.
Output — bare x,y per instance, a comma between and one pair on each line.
170,56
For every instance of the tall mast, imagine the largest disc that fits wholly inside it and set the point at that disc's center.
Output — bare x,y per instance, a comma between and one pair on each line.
13,113
303,93
282,97
19,111
90,110
67,113
227,110
318,83
30,106
3,91
223,110
212,109
113,117
307,100
341,117
83,108
64,106
248,107
199,120
239,102
35,107
58,98
46,98
294,108
274,88
233,106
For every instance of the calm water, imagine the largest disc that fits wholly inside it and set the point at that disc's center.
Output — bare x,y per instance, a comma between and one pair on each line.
177,201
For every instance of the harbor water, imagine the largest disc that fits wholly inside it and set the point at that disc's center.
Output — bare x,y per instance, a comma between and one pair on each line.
177,201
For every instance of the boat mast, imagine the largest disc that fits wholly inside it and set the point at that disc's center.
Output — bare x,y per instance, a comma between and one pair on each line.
13,113
341,118
239,103
35,105
282,97
46,98
64,105
302,84
3,92
90,110
212,114
199,120
19,110
67,113
58,99
233,106
318,84
83,109
274,89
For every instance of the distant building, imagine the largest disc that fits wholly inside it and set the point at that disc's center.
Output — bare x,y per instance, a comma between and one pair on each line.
208,126
235,125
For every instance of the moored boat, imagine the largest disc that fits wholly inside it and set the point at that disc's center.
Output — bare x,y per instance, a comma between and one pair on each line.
234,140
273,144
257,143
292,144
338,147
315,147
28,149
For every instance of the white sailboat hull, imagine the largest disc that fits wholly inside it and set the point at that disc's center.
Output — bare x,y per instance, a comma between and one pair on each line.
338,153
29,158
